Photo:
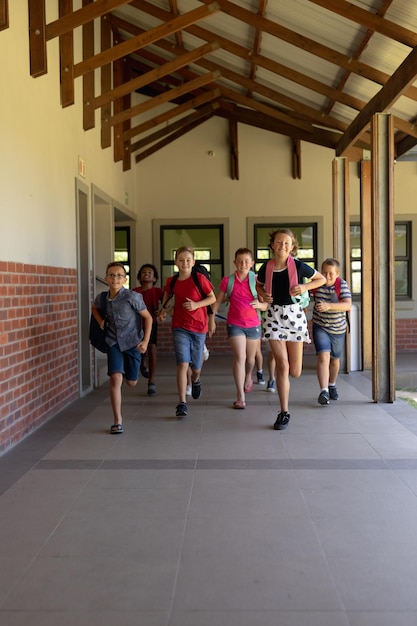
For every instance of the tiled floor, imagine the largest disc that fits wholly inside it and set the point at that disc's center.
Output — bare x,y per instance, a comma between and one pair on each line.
216,520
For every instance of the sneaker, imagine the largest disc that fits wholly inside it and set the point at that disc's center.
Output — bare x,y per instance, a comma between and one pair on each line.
270,386
188,390
282,420
324,397
206,353
181,410
196,389
333,393
260,378
151,389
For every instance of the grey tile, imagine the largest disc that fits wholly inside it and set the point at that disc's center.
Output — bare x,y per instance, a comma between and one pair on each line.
259,618
75,617
253,563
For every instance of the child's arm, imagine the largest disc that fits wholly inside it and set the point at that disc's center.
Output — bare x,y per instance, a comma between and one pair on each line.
191,305
220,296
317,281
147,328
96,314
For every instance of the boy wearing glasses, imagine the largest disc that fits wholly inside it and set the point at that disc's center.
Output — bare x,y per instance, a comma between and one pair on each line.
127,335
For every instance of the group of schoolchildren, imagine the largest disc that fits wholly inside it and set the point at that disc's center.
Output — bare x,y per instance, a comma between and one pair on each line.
269,306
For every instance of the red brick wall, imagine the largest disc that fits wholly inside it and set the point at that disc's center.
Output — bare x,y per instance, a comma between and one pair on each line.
406,335
38,346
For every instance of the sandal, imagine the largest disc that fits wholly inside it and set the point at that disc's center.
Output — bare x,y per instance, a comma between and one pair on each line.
239,404
116,429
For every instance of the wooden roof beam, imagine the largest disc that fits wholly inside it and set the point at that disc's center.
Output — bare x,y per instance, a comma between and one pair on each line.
369,20
162,118
163,98
170,139
403,76
145,39
169,67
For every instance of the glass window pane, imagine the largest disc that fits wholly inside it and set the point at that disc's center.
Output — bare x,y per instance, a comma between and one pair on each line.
400,240
206,241
401,278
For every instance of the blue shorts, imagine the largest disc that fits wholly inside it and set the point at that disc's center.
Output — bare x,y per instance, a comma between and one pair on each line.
255,332
188,347
126,363
328,342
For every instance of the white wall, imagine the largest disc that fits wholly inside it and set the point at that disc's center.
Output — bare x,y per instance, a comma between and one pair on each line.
40,144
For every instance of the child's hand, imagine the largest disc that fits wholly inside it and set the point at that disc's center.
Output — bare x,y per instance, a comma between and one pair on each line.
190,305
142,347
297,290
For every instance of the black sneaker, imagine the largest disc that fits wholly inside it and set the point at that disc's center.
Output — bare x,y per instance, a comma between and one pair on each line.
324,397
282,420
181,410
151,389
333,393
260,378
196,389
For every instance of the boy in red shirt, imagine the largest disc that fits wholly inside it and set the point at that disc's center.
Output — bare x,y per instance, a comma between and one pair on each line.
189,323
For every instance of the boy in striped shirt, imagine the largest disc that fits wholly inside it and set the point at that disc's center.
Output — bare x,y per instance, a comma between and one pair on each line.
332,301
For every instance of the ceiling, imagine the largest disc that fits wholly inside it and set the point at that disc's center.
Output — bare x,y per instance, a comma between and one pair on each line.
313,70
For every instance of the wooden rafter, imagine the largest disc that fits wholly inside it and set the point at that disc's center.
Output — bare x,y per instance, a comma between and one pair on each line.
397,84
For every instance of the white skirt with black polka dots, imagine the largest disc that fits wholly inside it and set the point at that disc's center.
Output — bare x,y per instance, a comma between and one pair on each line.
286,323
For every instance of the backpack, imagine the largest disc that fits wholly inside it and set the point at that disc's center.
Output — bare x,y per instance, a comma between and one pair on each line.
97,336
252,287
197,269
304,298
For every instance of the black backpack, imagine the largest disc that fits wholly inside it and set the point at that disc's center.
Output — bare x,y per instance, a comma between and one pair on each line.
197,269
97,336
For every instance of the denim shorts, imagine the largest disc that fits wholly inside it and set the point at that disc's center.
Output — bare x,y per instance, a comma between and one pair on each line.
328,342
126,363
188,347
255,332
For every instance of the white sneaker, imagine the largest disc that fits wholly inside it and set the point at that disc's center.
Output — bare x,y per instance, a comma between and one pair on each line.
206,353
188,390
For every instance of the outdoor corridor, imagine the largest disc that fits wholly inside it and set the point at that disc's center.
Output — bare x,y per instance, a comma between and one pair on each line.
215,520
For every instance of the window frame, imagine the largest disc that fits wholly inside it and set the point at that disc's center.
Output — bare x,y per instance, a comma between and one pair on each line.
407,258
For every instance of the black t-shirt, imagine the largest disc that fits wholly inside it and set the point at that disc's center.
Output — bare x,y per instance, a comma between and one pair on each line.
281,281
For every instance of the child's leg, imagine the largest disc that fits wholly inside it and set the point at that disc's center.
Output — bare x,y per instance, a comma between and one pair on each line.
259,359
116,381
238,345
334,370
271,365
152,360
252,348
323,361
289,362
182,369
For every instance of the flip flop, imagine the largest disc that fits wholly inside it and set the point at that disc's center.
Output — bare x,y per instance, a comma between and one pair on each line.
116,429
239,404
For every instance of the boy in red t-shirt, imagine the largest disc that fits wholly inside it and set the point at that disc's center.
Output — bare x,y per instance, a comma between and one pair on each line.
152,296
189,323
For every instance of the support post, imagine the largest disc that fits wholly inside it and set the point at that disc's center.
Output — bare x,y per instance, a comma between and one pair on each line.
341,232
384,350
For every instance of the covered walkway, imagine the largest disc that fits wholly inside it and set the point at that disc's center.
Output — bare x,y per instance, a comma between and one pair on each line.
216,520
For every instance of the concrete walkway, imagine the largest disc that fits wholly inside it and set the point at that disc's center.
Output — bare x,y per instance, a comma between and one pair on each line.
215,520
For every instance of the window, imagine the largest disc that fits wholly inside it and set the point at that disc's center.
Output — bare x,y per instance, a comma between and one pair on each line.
306,235
207,242
122,249
402,251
